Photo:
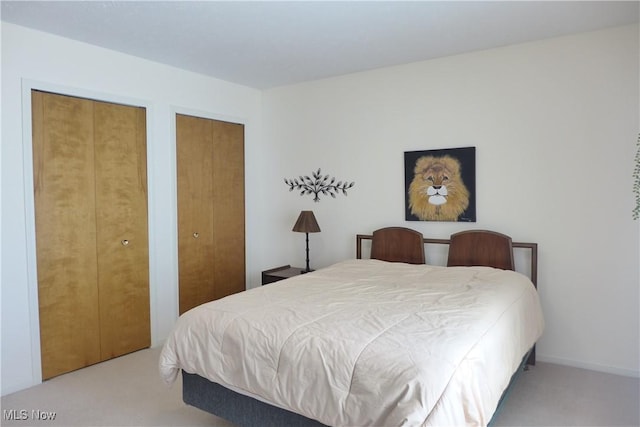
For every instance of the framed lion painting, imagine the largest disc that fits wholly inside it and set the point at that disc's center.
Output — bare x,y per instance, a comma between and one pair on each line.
440,185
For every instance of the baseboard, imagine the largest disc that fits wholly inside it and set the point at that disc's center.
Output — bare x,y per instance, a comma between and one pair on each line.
14,388
590,366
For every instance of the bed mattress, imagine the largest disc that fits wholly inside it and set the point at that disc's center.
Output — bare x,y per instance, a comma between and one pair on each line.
367,342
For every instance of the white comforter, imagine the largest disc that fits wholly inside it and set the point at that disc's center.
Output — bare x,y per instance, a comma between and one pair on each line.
367,342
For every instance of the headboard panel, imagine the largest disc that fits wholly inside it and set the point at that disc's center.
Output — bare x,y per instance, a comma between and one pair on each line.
398,244
481,247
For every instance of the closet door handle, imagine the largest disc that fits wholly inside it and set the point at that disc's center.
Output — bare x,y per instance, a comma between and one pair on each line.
125,242
196,235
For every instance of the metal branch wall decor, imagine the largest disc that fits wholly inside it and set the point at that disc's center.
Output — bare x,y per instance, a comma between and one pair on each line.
318,185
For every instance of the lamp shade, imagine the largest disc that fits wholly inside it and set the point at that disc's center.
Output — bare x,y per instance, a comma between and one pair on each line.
306,223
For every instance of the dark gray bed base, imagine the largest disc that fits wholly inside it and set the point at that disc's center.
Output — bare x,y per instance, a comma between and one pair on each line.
241,410
246,411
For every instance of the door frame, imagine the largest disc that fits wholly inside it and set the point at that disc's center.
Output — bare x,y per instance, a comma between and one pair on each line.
30,229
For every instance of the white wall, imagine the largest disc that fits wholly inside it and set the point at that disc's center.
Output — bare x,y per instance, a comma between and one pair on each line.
35,59
555,124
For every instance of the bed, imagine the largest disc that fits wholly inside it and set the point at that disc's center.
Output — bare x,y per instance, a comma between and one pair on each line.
384,341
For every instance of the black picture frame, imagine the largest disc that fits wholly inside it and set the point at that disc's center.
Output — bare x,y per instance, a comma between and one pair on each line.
452,168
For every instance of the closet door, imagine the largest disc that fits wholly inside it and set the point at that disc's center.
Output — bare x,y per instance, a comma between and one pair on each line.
122,228
210,166
91,230
228,208
194,154
64,197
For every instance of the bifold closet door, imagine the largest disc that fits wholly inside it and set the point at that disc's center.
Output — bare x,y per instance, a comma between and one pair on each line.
64,197
91,230
194,155
122,228
228,209
210,169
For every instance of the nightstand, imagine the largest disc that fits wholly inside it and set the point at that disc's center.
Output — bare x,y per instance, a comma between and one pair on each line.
279,273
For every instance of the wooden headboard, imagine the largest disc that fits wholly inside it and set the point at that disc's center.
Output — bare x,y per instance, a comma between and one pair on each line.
478,238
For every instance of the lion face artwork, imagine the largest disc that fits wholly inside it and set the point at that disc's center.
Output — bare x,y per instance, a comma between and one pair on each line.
437,192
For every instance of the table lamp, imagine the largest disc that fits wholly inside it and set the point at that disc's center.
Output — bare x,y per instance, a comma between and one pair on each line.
306,223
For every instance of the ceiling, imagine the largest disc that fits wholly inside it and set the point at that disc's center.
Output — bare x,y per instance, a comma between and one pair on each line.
265,44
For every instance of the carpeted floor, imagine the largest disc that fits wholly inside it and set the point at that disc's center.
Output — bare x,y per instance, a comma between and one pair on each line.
128,391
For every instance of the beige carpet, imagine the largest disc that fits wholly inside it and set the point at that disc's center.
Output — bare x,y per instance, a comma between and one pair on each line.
128,391
554,395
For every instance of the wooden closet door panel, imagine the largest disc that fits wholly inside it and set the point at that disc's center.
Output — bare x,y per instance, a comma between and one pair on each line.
228,208
122,237
194,152
63,166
